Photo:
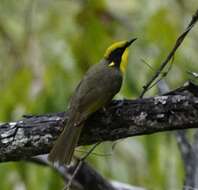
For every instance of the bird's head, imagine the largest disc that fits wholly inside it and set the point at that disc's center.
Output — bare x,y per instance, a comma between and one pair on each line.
117,54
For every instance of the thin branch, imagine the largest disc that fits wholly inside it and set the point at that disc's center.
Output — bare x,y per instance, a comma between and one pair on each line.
79,165
63,171
178,42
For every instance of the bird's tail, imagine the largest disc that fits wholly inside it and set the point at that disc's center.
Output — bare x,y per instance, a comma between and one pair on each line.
63,149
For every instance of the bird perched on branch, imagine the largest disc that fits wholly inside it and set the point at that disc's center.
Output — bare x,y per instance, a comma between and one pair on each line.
97,88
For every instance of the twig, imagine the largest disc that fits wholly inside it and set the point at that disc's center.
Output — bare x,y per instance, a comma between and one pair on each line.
171,54
160,79
147,64
97,154
67,187
79,164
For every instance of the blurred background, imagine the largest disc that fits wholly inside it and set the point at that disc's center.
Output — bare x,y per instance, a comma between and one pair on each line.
46,47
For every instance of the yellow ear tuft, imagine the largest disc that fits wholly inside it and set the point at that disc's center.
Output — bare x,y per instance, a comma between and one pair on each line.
124,60
113,47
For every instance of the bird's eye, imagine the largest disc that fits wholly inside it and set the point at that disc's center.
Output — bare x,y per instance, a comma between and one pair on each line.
111,64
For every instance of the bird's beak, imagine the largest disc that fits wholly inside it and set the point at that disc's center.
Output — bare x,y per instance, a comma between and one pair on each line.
130,42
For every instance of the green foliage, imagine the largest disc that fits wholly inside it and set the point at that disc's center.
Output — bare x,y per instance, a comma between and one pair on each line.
46,46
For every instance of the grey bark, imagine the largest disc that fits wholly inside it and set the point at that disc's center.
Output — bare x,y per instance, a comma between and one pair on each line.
34,135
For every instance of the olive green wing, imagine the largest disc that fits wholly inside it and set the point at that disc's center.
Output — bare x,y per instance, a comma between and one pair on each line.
96,89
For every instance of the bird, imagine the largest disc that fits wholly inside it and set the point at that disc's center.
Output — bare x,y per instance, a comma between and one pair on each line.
97,88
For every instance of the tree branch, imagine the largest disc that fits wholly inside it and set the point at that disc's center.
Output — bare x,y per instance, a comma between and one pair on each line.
35,135
87,177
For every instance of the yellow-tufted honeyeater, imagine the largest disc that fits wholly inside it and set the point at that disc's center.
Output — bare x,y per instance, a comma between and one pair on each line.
97,88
